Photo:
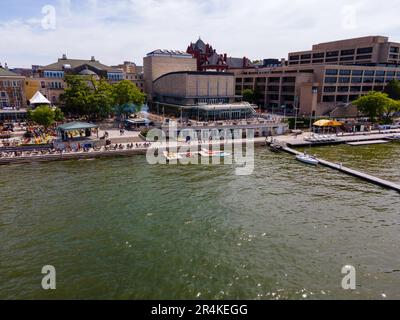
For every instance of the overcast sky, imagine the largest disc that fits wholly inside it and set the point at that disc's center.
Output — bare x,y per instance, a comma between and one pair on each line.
31,32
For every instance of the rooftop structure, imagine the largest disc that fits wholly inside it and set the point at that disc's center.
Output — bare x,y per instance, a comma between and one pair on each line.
161,62
372,50
208,58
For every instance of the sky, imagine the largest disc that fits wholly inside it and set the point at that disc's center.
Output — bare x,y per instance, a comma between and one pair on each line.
37,32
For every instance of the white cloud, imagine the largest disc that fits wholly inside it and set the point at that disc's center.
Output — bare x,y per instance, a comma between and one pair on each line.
120,30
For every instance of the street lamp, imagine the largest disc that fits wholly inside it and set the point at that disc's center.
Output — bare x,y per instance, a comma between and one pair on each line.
296,109
284,112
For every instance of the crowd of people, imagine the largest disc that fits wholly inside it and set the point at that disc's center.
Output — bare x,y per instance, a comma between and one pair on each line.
74,149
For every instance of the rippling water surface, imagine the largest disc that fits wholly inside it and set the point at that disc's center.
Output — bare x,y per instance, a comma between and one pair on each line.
121,229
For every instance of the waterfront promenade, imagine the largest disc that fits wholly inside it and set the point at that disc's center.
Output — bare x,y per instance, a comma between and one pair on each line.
301,140
121,149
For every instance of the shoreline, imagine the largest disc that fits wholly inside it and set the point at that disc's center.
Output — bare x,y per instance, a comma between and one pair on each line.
119,153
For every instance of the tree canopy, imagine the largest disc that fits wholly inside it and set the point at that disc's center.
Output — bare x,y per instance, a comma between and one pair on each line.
45,116
392,89
251,96
377,106
97,99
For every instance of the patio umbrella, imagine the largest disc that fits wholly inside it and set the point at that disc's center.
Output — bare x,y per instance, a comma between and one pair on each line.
328,123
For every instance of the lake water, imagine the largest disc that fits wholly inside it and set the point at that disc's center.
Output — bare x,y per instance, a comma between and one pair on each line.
122,229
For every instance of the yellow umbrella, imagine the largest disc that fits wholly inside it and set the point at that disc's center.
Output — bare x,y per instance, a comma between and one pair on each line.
328,123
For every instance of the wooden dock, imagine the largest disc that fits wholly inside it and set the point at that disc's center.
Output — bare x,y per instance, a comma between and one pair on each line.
354,173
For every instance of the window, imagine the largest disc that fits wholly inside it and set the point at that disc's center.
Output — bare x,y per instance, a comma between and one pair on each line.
347,59
365,57
328,98
342,99
380,73
343,89
274,79
355,89
332,54
394,49
318,55
348,52
305,62
366,88
368,80
365,50
306,56
294,57
345,72
331,72
344,80
331,80
288,89
289,79
369,73
358,72
353,97
332,60
318,61
379,80
329,89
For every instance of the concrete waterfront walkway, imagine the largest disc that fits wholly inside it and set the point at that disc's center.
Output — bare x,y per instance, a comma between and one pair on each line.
92,154
300,141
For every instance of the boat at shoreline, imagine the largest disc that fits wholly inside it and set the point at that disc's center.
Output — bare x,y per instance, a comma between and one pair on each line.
172,156
305,158
209,153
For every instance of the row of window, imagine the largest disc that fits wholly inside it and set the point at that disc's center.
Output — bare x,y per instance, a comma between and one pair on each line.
264,80
52,85
352,89
358,80
9,83
115,76
379,73
340,98
331,54
54,74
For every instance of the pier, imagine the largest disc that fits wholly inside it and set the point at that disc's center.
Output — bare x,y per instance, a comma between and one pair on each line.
354,173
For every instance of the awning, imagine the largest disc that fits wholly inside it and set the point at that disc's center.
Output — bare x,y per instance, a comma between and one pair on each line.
39,99
328,123
72,126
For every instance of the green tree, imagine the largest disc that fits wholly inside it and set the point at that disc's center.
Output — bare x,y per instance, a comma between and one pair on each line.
125,93
43,116
58,115
377,106
101,101
88,97
248,95
77,95
392,89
